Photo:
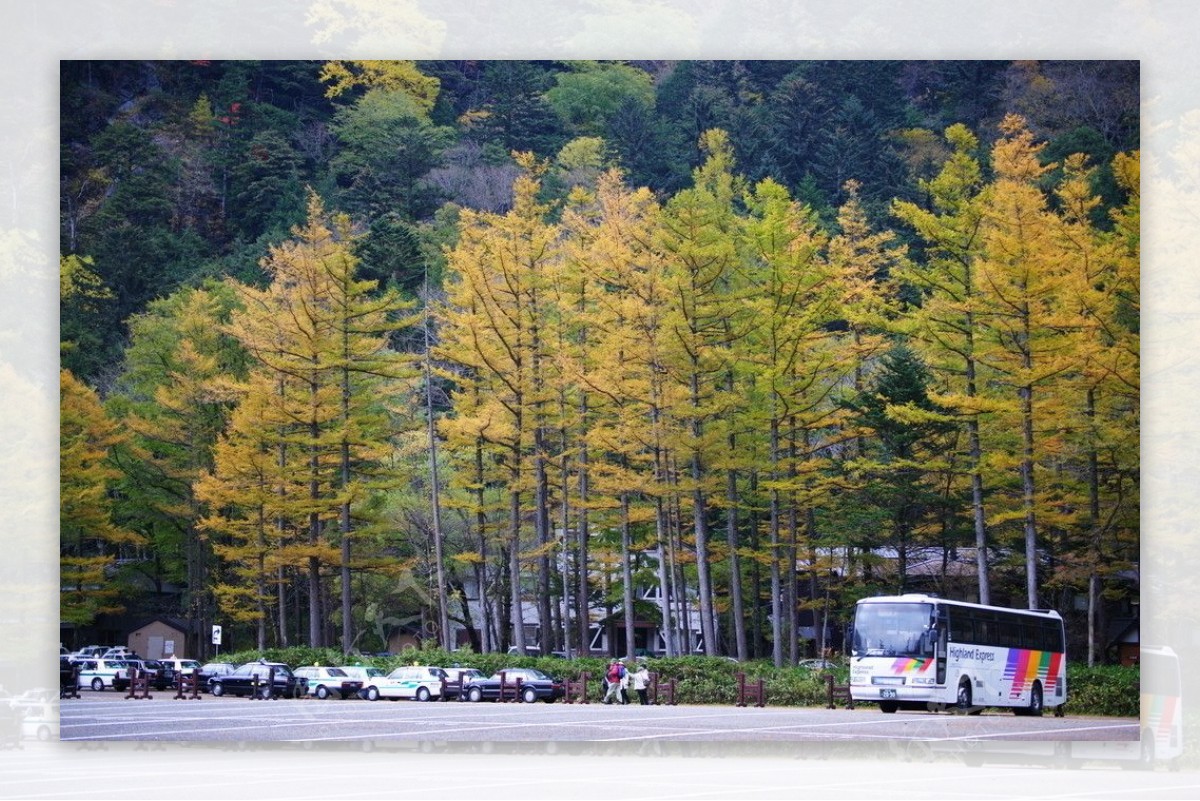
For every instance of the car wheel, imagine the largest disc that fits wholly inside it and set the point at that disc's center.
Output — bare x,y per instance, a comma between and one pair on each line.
265,692
422,693
217,689
529,695
322,692
372,693
97,684
475,694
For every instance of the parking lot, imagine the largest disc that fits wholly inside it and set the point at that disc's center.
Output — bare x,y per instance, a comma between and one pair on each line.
110,717
357,749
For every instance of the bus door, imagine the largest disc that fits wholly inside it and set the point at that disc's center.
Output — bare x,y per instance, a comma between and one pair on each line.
941,635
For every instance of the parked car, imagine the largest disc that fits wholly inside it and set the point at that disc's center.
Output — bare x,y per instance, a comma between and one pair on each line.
326,681
816,664
171,669
159,680
100,673
87,652
177,665
535,686
254,677
535,651
119,652
211,670
453,674
39,719
410,681
363,673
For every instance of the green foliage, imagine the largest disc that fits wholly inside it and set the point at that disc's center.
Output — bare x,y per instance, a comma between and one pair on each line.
1107,690
1102,690
592,94
387,146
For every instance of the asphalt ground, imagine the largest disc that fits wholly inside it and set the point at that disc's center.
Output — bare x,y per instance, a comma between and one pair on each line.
332,750
112,717
120,748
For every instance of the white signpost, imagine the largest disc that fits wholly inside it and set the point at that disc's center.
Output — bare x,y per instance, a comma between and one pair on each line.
216,637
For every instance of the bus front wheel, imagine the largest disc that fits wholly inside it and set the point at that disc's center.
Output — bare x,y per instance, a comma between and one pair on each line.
964,704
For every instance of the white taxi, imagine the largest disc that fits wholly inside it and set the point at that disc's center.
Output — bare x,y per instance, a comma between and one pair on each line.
420,682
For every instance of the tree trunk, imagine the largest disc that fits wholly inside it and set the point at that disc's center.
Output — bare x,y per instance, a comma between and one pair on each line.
627,576
583,619
514,567
776,587
700,524
435,499
1028,495
976,455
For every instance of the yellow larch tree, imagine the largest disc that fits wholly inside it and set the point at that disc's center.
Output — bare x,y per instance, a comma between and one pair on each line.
89,539
493,328
1026,338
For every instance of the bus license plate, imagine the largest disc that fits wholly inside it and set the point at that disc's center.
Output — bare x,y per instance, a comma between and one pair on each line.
887,693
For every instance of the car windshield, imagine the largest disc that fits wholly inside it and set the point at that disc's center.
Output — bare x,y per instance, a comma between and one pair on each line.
890,629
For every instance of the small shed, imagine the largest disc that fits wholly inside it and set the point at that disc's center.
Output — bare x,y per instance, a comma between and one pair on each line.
1127,641
404,637
159,638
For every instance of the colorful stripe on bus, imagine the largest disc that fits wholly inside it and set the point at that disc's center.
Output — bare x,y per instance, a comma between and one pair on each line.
1160,712
901,666
1024,666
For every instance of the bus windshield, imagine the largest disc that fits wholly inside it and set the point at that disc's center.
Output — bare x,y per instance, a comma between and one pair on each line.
887,629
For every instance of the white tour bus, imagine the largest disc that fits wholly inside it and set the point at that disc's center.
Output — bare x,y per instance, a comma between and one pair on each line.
925,652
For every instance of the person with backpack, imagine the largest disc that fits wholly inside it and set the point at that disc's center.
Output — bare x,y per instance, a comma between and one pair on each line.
613,678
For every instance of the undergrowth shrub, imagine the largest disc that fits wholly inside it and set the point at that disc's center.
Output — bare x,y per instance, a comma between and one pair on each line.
1103,690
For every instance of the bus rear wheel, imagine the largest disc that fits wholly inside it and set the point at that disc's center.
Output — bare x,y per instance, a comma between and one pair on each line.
1036,703
889,706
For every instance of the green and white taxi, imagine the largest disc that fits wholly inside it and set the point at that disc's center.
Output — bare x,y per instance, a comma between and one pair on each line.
420,682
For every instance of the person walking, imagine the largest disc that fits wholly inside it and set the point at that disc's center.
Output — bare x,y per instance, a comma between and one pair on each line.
612,680
641,681
626,679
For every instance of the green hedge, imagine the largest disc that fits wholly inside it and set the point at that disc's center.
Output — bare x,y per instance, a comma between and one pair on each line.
1102,690
1106,690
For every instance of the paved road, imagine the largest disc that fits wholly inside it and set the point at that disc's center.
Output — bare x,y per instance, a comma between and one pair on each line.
111,717
236,748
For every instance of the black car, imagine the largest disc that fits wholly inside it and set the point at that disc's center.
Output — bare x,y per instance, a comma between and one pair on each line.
152,668
210,670
267,679
534,685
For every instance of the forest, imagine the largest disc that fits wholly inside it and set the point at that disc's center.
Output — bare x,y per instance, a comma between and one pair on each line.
348,344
